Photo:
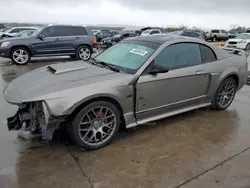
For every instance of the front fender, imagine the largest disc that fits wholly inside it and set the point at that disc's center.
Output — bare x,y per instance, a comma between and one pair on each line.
66,105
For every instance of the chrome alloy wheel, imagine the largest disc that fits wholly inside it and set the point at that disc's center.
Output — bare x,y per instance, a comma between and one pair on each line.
84,54
20,56
97,126
226,94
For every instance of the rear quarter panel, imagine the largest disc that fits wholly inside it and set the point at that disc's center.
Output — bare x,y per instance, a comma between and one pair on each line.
227,65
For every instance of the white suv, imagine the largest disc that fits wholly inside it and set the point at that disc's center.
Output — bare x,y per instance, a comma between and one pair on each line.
16,30
217,34
151,32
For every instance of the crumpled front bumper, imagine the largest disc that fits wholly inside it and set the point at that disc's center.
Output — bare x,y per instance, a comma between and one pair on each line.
36,118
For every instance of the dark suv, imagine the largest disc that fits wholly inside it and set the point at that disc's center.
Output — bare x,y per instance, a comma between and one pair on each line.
57,40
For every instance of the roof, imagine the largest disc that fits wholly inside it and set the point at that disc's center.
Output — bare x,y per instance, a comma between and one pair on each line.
162,38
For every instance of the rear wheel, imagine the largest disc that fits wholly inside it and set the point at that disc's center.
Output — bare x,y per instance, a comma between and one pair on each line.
225,94
95,125
20,56
84,53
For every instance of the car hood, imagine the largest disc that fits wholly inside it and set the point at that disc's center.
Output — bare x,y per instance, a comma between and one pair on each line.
56,78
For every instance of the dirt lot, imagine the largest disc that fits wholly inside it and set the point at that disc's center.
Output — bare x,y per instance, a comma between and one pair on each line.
203,148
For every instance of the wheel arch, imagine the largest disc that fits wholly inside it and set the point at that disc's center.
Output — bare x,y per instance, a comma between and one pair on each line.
112,100
20,46
79,45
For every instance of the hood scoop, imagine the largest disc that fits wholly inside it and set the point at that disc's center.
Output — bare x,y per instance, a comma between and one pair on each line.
65,67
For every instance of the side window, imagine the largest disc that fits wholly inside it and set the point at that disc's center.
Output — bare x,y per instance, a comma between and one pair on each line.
154,32
126,35
48,32
179,55
215,31
18,30
223,31
77,31
207,54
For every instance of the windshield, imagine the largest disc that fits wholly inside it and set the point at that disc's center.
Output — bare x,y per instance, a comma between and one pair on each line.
146,32
25,34
243,36
35,33
128,56
5,30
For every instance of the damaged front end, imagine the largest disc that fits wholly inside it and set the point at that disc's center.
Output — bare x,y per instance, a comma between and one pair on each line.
34,117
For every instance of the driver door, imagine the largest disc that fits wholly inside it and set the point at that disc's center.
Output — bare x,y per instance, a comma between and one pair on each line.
49,43
185,85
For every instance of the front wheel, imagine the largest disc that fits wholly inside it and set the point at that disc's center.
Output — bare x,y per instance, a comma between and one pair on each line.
20,56
84,53
95,125
225,94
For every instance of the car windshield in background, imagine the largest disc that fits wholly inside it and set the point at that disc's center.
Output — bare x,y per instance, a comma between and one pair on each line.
36,32
5,30
146,32
243,36
128,56
117,35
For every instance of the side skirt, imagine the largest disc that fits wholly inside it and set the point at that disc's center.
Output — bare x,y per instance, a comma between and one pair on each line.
162,116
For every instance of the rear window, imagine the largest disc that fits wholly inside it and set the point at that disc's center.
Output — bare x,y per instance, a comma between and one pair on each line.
207,54
78,31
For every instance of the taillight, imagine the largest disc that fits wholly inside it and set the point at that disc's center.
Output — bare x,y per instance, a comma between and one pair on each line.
94,40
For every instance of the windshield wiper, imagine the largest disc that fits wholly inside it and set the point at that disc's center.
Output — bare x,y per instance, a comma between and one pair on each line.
111,67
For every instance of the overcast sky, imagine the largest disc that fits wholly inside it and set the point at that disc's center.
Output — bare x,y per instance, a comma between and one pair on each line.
201,13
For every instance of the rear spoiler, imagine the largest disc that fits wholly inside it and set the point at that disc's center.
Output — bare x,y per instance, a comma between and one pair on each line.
234,51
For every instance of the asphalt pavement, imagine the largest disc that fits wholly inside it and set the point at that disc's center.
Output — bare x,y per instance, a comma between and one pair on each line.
202,148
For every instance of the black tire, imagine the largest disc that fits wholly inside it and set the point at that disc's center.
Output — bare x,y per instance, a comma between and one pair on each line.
73,56
248,47
215,103
73,128
79,51
17,50
214,38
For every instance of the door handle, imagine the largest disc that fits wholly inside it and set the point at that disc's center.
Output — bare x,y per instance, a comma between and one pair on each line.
199,72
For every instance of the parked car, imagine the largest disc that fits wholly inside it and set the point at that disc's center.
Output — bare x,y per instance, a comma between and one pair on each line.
27,33
110,41
104,34
188,33
55,40
247,31
129,84
217,34
95,31
151,32
15,30
242,41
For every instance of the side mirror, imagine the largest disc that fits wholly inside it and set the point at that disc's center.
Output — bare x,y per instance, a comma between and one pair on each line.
41,37
158,69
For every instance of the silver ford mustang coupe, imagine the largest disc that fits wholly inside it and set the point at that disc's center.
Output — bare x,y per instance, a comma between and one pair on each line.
136,81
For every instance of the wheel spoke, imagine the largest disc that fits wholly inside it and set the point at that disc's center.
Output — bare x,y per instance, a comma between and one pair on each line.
97,126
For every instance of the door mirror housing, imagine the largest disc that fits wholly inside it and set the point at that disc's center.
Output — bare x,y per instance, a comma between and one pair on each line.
158,69
41,37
